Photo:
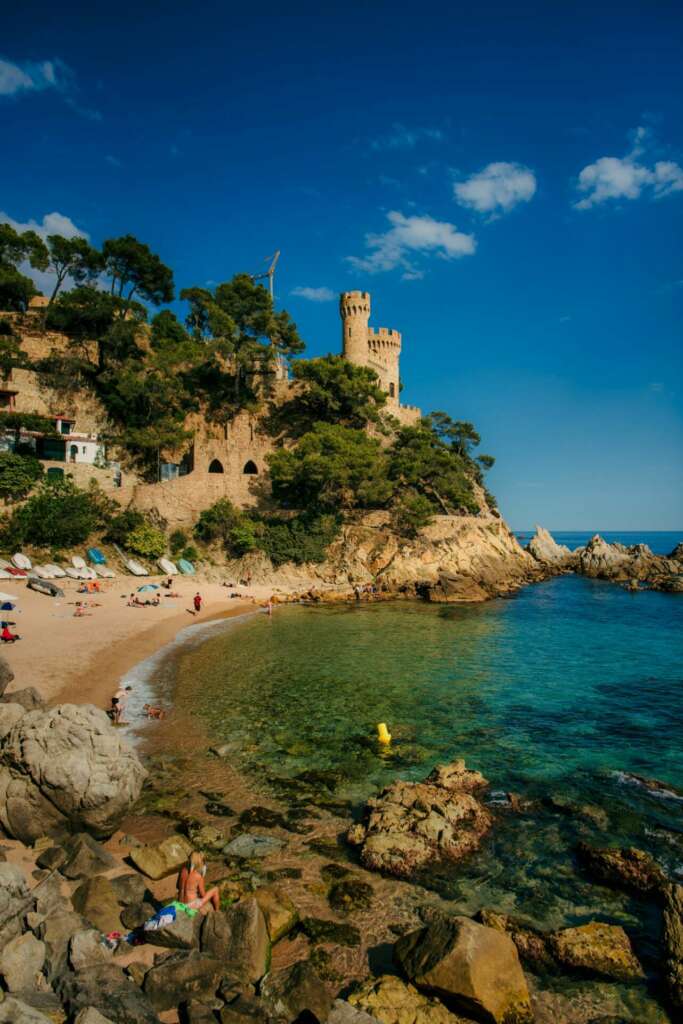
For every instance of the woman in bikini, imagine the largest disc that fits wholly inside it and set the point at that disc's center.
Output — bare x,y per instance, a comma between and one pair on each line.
191,889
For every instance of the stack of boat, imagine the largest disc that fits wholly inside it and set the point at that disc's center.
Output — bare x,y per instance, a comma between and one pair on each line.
21,567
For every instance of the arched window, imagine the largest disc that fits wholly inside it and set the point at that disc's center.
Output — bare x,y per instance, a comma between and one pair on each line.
215,467
250,468
73,452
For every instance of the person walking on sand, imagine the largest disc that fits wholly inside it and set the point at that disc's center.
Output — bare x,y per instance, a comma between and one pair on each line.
191,888
197,601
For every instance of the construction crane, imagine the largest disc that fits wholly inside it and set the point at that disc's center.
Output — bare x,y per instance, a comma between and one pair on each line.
269,273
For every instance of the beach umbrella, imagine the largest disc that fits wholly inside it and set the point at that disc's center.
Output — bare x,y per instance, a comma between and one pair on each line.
148,586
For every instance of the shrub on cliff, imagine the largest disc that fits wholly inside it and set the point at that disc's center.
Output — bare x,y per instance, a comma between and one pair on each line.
58,515
147,540
18,475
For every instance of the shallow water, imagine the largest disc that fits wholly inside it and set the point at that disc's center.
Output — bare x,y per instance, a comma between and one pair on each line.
556,692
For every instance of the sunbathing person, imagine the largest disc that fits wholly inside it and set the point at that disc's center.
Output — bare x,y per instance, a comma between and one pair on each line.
191,888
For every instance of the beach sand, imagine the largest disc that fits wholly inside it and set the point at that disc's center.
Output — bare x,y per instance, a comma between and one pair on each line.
81,660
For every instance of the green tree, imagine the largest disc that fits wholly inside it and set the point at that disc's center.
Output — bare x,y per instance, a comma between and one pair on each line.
146,540
423,462
135,270
18,475
333,390
332,467
121,525
74,258
16,290
411,512
216,522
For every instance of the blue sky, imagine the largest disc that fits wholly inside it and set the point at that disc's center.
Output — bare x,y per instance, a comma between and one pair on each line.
506,181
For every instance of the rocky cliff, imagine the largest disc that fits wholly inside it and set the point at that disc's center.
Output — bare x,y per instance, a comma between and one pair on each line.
455,558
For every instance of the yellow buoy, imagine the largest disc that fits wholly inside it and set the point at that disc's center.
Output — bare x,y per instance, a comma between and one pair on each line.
383,734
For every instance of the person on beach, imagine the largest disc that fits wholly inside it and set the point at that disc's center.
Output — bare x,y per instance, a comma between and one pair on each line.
191,888
197,602
81,610
121,698
7,636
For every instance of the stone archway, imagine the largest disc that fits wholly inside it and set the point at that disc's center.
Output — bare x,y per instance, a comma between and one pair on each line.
216,466
250,468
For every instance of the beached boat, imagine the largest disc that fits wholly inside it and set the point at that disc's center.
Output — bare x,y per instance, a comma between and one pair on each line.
186,568
21,561
104,572
96,556
43,572
135,567
56,570
75,574
45,587
167,566
78,562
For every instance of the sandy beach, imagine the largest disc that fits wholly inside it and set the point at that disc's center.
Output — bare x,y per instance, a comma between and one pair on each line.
81,660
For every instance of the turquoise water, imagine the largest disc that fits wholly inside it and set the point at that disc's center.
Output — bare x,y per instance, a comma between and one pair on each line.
554,693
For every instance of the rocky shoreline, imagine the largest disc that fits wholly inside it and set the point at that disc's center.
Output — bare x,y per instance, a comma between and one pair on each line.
318,921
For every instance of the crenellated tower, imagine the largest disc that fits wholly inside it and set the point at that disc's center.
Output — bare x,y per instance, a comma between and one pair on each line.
379,349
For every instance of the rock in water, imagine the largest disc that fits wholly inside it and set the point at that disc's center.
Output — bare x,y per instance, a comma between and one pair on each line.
414,823
473,967
598,949
546,550
66,769
628,868
390,1001
673,943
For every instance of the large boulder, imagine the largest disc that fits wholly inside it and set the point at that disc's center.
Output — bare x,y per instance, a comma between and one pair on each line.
107,989
673,943
86,949
239,938
412,824
597,949
390,1001
297,993
29,698
344,1013
532,945
622,868
6,674
9,716
65,769
545,549
182,977
181,933
85,857
96,900
14,901
164,859
474,968
15,1011
21,962
278,910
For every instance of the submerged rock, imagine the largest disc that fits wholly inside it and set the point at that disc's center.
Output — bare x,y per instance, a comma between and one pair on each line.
475,968
598,949
412,824
350,894
623,868
317,929
247,846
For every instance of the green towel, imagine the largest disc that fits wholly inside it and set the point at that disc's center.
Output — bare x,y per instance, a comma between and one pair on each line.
190,911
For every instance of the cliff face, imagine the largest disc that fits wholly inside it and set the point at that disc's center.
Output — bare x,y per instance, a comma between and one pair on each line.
456,558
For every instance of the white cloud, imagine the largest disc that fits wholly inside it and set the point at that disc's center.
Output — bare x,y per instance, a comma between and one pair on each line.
409,235
314,294
37,76
52,224
29,76
401,137
497,188
628,177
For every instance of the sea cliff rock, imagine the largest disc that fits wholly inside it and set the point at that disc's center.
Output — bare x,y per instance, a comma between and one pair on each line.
455,558
602,560
630,869
414,823
65,769
673,944
473,967
545,549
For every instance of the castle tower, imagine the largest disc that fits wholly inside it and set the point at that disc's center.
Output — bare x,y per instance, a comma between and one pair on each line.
379,349
354,309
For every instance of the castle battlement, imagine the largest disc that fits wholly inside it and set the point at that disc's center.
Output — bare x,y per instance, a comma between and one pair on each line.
376,347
